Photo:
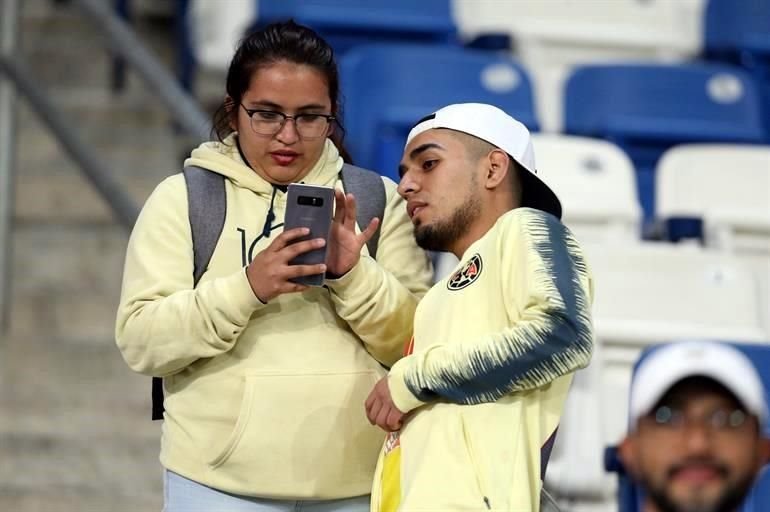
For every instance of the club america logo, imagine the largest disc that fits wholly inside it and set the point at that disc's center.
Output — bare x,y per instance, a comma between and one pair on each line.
466,275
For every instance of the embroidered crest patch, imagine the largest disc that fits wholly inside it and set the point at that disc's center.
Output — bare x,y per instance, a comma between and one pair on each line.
467,274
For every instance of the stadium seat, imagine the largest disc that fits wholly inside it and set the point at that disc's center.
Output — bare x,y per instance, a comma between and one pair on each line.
645,294
738,31
721,194
388,88
207,33
727,186
647,108
630,495
347,23
595,182
551,37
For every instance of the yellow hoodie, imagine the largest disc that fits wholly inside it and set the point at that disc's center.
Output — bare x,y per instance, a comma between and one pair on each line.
264,399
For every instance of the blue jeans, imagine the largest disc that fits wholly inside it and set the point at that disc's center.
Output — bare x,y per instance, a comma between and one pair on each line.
183,495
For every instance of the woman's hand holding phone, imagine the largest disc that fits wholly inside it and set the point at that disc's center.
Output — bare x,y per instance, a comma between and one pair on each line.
269,273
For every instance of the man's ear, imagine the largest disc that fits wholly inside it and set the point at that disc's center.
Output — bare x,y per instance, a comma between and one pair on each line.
498,163
627,454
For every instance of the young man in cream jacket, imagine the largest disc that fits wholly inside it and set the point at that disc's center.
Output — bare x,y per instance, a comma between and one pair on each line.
474,406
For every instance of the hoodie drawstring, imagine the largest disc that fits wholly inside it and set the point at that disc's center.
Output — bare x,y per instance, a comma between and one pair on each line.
270,216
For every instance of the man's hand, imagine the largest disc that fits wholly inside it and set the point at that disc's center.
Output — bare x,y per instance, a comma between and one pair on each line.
344,244
380,408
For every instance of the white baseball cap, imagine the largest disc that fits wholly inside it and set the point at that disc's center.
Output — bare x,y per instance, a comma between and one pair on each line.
670,364
491,124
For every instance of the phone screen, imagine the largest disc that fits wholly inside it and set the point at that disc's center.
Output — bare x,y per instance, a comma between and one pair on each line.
310,206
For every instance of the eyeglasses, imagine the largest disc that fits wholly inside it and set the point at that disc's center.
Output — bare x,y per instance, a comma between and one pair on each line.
270,122
717,421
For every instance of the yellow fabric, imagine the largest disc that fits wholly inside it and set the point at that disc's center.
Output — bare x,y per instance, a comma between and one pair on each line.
391,474
264,399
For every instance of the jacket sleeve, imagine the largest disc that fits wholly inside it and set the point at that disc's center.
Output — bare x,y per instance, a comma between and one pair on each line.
378,298
547,287
163,324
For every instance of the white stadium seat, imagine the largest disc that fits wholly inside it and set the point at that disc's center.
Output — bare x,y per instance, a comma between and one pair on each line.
550,37
596,184
727,185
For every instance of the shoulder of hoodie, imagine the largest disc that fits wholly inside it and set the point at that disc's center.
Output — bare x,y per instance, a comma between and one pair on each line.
169,194
171,187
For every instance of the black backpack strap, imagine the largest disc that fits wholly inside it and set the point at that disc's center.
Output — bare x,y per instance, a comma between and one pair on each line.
369,191
207,208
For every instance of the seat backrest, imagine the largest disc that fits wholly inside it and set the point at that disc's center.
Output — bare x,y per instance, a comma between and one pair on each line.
736,25
651,24
728,186
553,36
388,88
647,108
595,182
649,293
347,23
759,498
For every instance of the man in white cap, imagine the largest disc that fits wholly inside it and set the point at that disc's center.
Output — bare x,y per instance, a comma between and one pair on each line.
473,407
697,414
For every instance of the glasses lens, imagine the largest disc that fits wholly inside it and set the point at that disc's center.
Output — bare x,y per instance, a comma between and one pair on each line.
266,123
311,126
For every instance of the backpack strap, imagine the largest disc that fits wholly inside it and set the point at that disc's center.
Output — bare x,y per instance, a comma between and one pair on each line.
207,208
369,191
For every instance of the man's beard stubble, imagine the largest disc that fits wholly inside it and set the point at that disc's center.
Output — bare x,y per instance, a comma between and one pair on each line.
441,235
730,499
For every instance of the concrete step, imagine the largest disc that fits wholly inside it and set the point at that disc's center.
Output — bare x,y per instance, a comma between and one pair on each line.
67,34
75,433
66,280
138,152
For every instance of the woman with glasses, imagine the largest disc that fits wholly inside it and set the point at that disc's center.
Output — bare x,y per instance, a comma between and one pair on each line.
265,379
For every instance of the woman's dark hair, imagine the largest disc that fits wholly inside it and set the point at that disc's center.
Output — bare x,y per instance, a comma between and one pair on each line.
283,41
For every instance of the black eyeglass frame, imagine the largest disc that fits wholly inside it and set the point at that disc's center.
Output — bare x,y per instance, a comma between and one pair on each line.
251,111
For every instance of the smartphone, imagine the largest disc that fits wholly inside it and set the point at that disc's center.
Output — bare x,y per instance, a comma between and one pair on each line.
309,206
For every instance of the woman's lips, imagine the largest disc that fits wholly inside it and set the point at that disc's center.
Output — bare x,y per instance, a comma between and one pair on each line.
283,158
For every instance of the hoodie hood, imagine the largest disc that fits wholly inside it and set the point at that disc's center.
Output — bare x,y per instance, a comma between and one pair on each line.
225,159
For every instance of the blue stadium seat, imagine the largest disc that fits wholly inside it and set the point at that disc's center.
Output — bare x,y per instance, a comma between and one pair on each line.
738,31
631,496
347,23
388,88
647,108
738,26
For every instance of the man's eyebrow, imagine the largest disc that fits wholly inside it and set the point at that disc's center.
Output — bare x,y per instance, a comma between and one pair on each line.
416,152
425,147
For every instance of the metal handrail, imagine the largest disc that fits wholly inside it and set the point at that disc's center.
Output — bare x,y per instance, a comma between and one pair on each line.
122,41
97,172
9,16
